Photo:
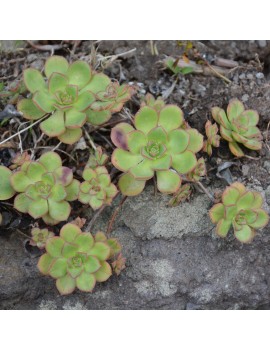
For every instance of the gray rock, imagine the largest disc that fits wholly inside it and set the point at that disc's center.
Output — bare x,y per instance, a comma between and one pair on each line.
259,75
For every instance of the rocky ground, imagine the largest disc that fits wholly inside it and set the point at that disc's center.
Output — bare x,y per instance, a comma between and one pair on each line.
174,258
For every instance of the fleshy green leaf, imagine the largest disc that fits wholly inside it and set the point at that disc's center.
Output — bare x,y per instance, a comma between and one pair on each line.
84,242
38,208
143,170
185,162
44,263
223,227
92,264
70,136
22,202
44,101
124,160
97,118
86,282
146,119
135,141
100,250
56,64
66,285
245,201
217,212
245,234
54,246
54,125
84,101
234,109
168,181
58,268
262,219
51,161
129,186
34,171
20,181
230,196
195,140
72,190
69,232
33,80
59,210
170,117
98,82
119,135
236,150
57,82
79,73
75,119
29,109
6,190
69,250
104,272
178,141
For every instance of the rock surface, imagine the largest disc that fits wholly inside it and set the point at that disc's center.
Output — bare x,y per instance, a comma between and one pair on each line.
174,261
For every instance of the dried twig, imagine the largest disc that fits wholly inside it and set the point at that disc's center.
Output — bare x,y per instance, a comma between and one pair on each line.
94,218
23,130
115,213
50,48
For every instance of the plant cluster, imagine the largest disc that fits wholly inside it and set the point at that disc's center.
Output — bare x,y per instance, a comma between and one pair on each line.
158,143
77,259
71,95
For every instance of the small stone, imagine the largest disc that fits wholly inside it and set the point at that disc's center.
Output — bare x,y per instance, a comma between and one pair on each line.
245,170
242,76
266,165
262,43
260,75
249,76
245,98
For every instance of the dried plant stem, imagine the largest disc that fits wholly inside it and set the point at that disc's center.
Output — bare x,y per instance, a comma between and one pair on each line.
94,218
23,130
115,213
211,197
90,139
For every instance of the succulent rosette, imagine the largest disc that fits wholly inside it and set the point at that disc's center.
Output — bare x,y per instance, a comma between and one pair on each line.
40,237
113,98
238,126
97,189
159,145
67,94
45,188
77,259
240,208
150,101
213,139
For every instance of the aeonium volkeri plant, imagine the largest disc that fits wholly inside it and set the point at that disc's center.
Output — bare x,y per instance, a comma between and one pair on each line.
45,188
241,209
159,145
40,236
78,259
66,93
97,189
238,126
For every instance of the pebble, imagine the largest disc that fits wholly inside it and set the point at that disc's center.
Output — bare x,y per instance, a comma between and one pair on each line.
242,76
245,98
249,76
266,165
260,75
262,43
